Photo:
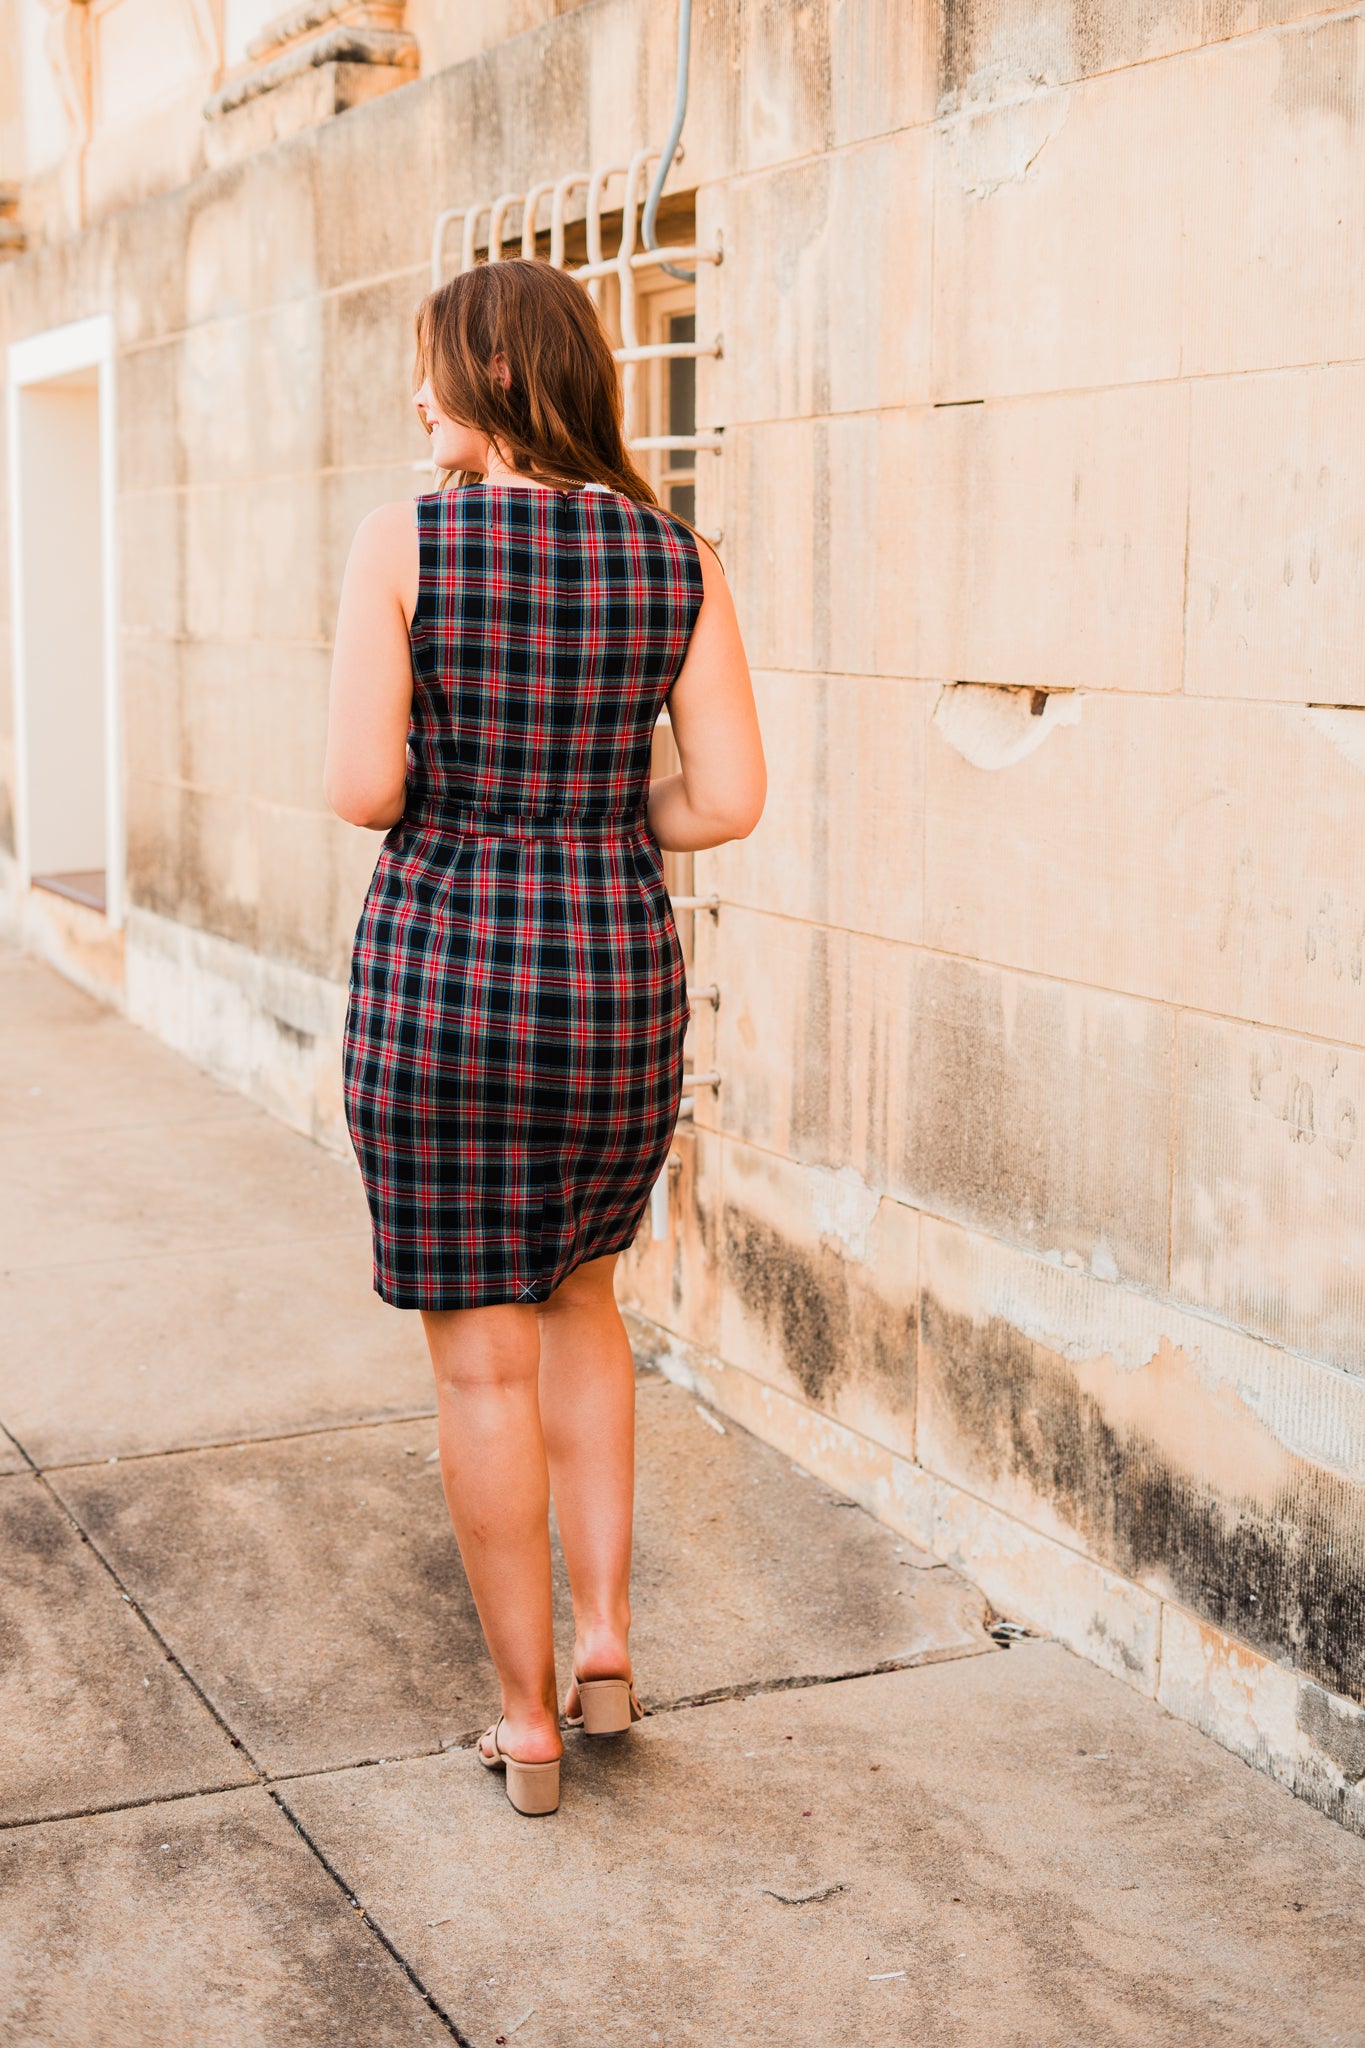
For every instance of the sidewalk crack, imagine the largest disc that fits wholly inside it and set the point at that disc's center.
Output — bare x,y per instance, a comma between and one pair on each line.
370,1922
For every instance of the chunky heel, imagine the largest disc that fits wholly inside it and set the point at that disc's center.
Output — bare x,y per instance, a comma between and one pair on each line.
532,1788
609,1706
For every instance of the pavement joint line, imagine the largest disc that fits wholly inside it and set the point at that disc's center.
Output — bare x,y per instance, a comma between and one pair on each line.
269,1781
746,1689
918,1660
34,1467
135,1606
368,1921
44,1820
646,1377
208,1791
706,1699
233,1443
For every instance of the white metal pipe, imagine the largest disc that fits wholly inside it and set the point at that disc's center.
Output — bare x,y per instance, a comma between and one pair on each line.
438,242
558,206
626,285
471,227
597,185
610,266
645,258
630,202
711,903
706,443
498,213
667,351
528,217
660,1195
596,267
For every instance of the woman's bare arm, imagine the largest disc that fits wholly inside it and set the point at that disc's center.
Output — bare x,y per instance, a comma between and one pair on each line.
723,784
371,694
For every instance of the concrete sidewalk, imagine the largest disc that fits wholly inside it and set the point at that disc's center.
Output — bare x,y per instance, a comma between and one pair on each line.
241,1675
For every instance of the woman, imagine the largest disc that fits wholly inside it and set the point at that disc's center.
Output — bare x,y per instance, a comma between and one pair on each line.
513,1045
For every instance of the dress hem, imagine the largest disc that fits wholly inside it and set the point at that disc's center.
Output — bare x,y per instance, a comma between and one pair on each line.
417,1299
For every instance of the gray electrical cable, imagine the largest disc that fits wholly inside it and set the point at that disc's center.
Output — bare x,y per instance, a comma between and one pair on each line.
647,234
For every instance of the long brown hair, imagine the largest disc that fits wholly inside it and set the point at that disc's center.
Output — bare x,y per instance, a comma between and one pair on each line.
559,417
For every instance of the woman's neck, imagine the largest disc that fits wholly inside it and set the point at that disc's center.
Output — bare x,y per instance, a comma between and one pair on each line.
499,472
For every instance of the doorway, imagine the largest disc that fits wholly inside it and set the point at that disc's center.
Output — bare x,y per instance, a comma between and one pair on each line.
65,634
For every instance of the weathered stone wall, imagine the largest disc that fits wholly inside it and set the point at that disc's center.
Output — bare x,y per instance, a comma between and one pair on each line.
264,317
1032,1203
1031,1206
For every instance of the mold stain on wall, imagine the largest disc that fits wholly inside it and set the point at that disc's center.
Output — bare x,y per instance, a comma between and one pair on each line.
984,42
826,1317
785,1290
1320,73
1278,1560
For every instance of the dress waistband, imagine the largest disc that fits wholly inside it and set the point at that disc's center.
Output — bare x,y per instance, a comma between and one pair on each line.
439,814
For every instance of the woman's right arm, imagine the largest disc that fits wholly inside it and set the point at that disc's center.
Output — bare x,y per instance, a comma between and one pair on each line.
720,792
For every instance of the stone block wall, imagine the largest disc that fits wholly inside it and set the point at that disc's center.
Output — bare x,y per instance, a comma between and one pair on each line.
1032,1190
1031,1206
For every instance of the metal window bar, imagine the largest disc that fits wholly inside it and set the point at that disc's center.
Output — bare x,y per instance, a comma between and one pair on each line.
485,225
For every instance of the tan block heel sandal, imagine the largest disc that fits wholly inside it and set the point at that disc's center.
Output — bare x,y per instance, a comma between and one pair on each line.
608,1706
532,1788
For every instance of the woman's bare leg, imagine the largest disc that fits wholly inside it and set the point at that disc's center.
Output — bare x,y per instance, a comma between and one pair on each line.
587,1411
493,1468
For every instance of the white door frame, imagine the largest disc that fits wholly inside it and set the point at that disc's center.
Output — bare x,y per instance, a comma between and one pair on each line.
81,345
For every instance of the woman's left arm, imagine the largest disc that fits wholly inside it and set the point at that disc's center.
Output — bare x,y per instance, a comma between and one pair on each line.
371,694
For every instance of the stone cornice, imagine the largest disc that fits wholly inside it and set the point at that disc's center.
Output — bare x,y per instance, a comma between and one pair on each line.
311,15
301,50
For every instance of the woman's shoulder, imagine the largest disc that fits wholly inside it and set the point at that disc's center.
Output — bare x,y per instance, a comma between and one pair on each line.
389,523
387,531
425,512
385,549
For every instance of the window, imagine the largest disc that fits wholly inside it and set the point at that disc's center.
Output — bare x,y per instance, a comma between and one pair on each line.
668,393
682,419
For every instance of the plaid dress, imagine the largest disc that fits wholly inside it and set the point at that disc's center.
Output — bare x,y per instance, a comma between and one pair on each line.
513,1049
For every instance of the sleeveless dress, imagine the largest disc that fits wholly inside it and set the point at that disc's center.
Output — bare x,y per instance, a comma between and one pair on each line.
513,1047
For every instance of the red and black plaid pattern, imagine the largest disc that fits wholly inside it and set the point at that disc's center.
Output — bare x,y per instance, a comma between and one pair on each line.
513,1050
